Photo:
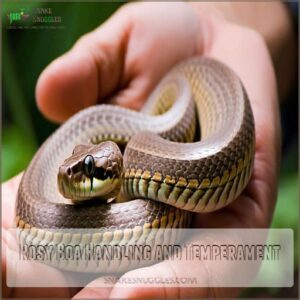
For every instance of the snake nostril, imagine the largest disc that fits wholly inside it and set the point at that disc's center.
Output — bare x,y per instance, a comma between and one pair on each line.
69,171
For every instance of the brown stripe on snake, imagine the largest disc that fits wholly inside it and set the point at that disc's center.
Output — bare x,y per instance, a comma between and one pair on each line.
188,193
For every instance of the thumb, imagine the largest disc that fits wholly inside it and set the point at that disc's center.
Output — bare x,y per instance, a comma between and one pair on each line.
90,71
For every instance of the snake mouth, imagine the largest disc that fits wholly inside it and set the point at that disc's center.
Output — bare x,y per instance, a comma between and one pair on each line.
87,188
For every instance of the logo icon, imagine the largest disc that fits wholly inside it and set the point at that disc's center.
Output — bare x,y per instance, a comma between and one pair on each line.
17,16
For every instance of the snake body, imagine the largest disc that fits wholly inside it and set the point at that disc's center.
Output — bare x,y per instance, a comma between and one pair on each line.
162,162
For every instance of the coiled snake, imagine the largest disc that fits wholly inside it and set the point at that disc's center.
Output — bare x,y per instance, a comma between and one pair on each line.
161,160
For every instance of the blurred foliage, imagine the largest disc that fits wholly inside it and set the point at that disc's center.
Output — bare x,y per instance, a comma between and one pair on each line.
15,152
26,52
286,213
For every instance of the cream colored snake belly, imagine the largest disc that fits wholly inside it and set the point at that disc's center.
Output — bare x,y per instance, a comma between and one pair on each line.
169,172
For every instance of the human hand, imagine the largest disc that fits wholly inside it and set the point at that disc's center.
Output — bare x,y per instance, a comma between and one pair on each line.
128,55
124,58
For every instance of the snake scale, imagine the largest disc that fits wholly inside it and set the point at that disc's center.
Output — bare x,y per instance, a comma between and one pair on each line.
162,160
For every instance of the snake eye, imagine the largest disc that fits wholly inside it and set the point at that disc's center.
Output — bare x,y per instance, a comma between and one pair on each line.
89,166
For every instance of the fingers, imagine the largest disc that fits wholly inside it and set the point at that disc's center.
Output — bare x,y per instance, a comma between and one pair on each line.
174,278
135,95
9,196
90,71
163,270
92,290
67,85
125,57
168,270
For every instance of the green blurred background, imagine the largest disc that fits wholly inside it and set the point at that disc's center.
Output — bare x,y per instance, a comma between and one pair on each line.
27,51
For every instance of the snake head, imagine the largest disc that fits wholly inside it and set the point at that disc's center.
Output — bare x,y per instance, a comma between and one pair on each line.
92,171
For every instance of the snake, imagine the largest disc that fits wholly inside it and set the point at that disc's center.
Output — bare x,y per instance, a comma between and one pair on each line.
189,150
